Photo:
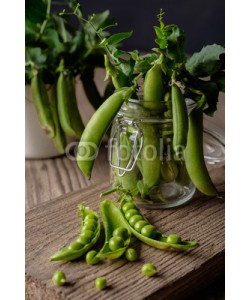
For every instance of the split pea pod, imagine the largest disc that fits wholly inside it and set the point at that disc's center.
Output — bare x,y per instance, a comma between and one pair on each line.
150,162
69,115
42,105
194,155
59,138
97,127
117,233
180,120
89,235
147,233
153,87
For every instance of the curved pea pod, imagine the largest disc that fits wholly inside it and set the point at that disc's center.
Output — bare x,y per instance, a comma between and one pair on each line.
180,120
157,239
42,105
69,115
194,155
112,219
150,162
85,240
153,87
97,127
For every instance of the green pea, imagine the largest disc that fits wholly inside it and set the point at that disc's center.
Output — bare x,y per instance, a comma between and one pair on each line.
139,225
121,232
92,258
101,283
130,213
149,231
59,278
173,239
163,239
91,222
127,206
115,243
131,254
149,269
75,245
90,217
90,227
85,237
134,219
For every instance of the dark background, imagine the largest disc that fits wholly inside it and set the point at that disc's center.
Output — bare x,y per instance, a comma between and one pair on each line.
202,20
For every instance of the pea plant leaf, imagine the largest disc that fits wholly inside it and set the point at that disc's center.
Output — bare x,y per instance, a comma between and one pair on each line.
116,38
52,39
210,60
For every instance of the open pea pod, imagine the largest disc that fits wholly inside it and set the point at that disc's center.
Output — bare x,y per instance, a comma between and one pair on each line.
147,233
89,235
112,219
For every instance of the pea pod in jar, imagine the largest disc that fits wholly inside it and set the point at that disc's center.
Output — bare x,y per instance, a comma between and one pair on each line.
147,233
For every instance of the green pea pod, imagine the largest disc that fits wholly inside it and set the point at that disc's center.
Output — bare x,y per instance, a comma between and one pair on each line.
69,115
150,162
59,138
89,235
157,239
180,120
129,179
112,219
97,127
42,105
169,170
153,87
194,155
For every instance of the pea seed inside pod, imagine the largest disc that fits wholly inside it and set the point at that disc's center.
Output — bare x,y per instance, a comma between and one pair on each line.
75,245
116,243
149,231
92,258
90,217
130,213
139,225
127,206
121,232
134,219
90,222
173,239
85,237
90,227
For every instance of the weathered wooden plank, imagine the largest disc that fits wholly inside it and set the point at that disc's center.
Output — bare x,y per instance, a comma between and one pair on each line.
54,224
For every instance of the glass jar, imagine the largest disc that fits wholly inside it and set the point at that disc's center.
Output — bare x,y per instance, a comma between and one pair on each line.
141,157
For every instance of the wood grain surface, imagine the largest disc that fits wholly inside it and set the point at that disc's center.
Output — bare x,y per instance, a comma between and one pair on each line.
54,224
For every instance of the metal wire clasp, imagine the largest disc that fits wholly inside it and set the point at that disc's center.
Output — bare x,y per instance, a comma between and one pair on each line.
138,140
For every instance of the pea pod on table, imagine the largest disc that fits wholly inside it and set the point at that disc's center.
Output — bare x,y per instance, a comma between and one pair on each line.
89,235
97,127
117,232
147,233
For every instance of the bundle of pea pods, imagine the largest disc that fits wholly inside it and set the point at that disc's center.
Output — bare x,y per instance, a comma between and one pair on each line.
165,75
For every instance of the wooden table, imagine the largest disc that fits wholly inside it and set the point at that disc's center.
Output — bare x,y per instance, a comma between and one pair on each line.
48,179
